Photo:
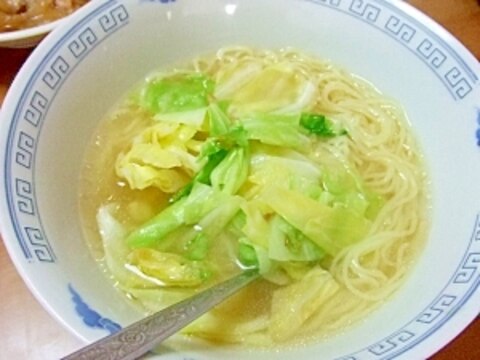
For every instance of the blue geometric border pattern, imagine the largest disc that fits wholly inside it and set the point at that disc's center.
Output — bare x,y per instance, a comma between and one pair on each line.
90,317
383,347
38,244
462,284
441,59
28,119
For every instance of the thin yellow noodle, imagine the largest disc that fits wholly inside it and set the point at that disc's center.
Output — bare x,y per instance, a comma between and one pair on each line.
382,149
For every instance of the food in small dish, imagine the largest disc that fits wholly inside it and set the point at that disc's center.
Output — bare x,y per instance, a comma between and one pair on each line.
23,14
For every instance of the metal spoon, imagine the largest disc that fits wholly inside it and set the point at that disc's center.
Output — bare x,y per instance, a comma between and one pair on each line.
141,336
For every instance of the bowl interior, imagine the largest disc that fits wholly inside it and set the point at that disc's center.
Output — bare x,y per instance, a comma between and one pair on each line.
85,67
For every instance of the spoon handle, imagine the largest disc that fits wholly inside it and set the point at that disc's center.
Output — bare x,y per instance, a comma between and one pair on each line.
140,337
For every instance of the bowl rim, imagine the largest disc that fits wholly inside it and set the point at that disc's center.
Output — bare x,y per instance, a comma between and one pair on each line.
467,317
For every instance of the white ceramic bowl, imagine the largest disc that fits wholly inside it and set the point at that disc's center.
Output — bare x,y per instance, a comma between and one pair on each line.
82,69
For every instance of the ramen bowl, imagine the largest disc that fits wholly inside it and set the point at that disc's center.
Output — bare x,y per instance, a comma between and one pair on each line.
85,66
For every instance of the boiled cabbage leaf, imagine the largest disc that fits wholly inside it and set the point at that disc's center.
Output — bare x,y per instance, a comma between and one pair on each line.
331,228
192,118
232,171
186,211
288,170
294,304
254,256
319,125
218,120
159,157
234,76
197,247
274,129
275,88
214,155
170,269
226,166
176,93
113,235
198,240
286,243
342,186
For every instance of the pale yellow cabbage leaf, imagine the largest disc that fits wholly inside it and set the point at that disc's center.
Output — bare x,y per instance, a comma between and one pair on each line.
275,88
163,156
116,251
170,269
294,304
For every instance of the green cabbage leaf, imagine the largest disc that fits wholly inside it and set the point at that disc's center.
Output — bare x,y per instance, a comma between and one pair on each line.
168,268
274,129
177,93
186,211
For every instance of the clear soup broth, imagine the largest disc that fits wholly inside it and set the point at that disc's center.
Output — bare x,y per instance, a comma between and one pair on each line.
250,158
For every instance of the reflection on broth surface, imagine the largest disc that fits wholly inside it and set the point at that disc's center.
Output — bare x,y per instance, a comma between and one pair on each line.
22,14
257,159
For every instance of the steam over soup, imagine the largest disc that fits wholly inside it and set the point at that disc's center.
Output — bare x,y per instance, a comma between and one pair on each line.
271,160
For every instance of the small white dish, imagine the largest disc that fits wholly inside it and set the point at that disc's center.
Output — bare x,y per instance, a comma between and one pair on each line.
83,67
27,38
